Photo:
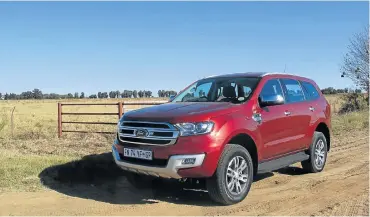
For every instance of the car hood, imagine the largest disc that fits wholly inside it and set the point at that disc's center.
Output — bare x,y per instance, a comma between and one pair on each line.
181,112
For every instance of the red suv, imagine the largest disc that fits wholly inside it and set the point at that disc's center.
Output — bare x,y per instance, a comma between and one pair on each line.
224,130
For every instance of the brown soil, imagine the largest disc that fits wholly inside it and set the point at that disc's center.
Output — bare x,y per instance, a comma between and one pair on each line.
341,189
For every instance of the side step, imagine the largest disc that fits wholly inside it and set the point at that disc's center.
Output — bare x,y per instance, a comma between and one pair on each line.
281,162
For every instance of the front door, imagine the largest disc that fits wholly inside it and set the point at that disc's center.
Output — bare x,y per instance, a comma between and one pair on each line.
274,128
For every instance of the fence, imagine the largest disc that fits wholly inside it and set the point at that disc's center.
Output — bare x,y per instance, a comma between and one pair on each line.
119,113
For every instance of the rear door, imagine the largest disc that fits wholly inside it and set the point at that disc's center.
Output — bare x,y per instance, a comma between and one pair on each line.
313,105
300,115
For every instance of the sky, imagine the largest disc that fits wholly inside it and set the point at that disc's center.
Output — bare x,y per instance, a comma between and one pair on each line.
64,47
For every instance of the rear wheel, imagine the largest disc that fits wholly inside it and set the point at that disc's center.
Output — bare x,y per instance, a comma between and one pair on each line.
234,176
318,154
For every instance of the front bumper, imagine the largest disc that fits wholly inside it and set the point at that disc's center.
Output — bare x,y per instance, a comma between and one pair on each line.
170,171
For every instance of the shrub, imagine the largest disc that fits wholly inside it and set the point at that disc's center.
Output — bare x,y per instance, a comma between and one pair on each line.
354,102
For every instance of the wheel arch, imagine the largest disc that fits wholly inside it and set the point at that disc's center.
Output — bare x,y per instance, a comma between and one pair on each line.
247,142
323,128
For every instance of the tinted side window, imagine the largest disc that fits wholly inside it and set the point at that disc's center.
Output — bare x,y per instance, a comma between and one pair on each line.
311,90
272,87
294,91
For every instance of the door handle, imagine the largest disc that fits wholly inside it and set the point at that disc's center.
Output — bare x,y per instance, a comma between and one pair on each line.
312,108
287,113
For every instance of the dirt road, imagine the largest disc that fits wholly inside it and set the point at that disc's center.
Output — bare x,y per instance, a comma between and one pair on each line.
342,189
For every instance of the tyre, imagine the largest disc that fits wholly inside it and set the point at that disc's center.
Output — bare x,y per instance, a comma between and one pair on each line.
318,154
139,181
233,178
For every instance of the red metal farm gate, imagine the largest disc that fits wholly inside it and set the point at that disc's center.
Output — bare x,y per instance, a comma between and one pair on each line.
119,113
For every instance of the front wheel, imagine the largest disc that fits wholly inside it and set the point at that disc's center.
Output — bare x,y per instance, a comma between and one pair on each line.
318,154
234,176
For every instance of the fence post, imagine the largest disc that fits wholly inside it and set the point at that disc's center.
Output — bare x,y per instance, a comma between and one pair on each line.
120,110
59,119
123,108
12,122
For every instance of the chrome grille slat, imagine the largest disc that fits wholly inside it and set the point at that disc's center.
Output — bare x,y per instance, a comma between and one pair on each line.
147,128
142,123
145,140
149,137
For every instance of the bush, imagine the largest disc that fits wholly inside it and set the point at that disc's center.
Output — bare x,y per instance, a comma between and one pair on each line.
354,102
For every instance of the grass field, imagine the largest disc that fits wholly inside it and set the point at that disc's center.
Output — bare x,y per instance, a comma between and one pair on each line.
34,145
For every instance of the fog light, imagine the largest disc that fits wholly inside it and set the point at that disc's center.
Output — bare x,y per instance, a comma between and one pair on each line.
188,161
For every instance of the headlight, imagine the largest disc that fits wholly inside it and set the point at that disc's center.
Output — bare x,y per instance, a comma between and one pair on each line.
188,129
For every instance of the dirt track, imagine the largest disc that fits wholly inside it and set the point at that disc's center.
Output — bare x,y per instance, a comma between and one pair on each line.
341,189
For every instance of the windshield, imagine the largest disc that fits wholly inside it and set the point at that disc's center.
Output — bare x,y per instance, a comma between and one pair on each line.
221,89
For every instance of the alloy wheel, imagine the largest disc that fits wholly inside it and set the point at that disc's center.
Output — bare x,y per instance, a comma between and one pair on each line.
237,175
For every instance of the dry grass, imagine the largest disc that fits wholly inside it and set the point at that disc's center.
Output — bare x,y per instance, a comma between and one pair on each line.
335,100
20,172
38,119
35,145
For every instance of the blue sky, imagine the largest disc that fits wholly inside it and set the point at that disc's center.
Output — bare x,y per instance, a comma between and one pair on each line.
99,46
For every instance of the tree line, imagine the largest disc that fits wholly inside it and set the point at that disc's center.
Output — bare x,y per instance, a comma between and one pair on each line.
38,94
331,90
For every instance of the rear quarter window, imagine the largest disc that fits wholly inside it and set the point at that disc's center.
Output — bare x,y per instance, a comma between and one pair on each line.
310,90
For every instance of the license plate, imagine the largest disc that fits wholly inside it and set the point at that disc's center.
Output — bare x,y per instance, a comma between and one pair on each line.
136,153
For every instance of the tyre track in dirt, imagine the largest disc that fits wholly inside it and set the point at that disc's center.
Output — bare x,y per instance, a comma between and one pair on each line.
341,189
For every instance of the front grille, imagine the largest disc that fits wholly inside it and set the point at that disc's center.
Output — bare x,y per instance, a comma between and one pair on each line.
148,133
145,125
153,162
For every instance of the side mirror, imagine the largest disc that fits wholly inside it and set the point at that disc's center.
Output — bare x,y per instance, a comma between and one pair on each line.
270,100
171,98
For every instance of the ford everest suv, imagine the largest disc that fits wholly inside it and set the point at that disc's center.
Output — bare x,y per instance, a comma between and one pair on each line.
224,130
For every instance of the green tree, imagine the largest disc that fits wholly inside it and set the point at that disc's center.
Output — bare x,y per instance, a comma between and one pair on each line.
104,95
140,94
37,94
93,96
112,94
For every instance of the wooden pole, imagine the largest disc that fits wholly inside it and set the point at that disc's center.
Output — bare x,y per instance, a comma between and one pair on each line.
123,108
59,120
12,122
120,110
